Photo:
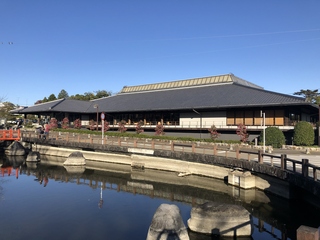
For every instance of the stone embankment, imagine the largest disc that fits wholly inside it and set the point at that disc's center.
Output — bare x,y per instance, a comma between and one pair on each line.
239,172
265,177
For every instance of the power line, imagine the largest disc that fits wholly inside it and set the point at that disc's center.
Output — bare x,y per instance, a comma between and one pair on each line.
240,35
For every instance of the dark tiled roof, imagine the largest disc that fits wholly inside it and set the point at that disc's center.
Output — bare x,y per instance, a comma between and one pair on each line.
214,96
226,91
42,107
71,105
60,105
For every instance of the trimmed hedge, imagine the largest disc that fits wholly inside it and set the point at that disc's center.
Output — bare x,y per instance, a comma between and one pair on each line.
303,134
274,137
135,135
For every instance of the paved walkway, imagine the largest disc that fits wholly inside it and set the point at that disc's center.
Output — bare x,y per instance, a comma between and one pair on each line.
298,155
314,157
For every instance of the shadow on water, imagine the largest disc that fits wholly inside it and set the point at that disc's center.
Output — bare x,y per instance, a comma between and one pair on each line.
275,217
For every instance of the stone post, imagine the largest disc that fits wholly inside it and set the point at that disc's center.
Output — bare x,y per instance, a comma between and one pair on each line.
307,233
283,161
260,156
305,168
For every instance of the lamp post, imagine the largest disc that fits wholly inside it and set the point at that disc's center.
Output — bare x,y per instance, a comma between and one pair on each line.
263,114
200,120
102,116
97,107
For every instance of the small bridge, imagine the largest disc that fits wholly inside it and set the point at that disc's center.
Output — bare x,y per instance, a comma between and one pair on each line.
10,135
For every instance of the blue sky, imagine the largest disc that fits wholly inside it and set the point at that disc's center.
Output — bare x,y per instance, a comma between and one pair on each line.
84,46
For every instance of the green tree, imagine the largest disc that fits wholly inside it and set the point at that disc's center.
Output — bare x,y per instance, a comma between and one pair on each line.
274,137
88,96
5,110
310,95
52,97
77,97
102,93
63,94
303,134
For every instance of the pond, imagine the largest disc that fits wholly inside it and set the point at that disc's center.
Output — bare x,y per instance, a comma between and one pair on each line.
113,201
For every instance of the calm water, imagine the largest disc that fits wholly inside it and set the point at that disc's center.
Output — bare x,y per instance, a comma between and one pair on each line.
105,201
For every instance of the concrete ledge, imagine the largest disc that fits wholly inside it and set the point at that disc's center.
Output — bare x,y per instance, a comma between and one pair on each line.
307,233
242,179
137,165
141,151
267,178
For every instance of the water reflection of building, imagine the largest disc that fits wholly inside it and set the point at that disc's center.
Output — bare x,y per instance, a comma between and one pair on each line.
8,171
42,177
11,165
191,189
101,199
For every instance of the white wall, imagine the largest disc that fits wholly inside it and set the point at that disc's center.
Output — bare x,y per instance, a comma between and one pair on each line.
85,120
192,119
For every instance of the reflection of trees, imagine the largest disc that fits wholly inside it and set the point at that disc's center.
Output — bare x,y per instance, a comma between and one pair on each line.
191,190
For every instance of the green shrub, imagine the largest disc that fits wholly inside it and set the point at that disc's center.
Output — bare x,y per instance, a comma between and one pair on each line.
303,134
274,137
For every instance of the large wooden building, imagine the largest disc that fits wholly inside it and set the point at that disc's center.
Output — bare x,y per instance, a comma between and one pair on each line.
189,107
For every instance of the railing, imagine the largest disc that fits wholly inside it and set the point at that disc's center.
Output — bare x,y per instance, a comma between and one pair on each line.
283,162
9,135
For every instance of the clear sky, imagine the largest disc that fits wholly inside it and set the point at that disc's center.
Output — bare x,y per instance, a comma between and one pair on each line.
85,46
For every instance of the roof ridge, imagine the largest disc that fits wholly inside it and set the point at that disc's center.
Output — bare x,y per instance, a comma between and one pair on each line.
43,103
192,82
273,92
61,100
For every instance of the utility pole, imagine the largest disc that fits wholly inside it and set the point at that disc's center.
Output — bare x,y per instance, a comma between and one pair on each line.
263,114
200,121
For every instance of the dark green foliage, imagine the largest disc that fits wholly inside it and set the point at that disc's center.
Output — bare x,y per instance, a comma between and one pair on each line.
63,94
274,137
142,136
303,134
